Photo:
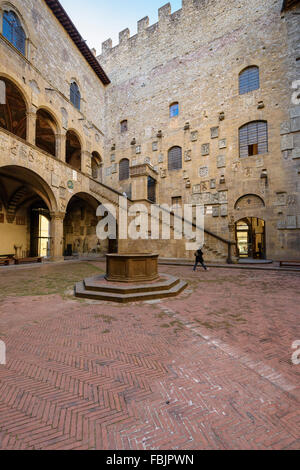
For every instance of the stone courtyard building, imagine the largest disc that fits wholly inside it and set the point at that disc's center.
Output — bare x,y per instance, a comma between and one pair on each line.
202,107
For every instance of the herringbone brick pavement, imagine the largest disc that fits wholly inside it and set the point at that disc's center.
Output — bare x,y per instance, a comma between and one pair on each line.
210,369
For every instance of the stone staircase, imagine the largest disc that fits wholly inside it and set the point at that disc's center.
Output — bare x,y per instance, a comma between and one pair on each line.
13,204
214,254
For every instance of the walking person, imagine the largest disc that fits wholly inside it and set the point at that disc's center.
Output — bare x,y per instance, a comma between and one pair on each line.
199,259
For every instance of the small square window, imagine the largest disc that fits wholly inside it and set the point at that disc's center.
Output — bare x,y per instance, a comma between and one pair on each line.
252,149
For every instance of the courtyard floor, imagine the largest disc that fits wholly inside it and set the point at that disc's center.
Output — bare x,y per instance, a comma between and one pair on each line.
210,369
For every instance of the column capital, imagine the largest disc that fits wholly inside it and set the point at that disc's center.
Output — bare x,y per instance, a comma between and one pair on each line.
57,215
31,114
62,134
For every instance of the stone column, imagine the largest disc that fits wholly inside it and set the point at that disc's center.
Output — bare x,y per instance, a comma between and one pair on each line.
31,127
61,140
232,254
57,236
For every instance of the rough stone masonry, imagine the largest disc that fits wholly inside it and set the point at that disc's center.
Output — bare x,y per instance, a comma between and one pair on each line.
162,118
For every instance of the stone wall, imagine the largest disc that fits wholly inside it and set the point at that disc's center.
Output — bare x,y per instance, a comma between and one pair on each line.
43,77
14,236
194,57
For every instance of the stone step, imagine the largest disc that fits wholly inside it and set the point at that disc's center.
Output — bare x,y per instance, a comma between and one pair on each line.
81,292
96,284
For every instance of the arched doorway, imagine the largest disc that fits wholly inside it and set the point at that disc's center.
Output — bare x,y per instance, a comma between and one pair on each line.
73,150
26,202
46,130
80,224
96,167
13,109
251,238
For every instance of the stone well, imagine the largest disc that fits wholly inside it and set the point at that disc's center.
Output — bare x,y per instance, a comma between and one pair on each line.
132,267
130,277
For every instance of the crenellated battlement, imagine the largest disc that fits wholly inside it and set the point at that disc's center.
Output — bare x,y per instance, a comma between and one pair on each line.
165,17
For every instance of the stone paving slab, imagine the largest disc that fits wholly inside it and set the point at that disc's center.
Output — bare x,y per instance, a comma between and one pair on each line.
210,369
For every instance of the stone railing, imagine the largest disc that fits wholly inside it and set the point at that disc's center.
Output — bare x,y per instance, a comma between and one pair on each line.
143,169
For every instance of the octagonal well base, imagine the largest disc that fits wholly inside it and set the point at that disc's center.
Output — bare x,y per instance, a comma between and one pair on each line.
98,288
132,267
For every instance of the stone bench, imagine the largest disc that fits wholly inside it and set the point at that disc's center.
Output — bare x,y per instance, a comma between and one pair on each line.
290,263
4,261
36,259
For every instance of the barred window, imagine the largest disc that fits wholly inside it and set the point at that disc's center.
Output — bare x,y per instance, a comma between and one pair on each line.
249,80
124,169
253,138
13,31
75,96
151,189
124,126
174,110
175,158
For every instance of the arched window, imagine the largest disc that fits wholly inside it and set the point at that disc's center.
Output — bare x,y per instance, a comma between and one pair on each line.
124,169
253,138
175,158
174,110
124,126
249,80
75,96
13,31
96,166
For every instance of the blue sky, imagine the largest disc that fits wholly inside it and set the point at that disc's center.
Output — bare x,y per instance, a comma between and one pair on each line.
98,20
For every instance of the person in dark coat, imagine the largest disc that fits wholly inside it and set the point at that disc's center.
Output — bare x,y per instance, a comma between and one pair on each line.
199,259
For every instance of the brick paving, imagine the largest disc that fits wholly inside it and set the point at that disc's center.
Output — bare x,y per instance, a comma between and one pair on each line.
210,369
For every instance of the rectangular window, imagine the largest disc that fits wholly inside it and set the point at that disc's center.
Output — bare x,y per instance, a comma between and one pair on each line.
252,149
151,189
174,110
176,201
124,126
253,139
